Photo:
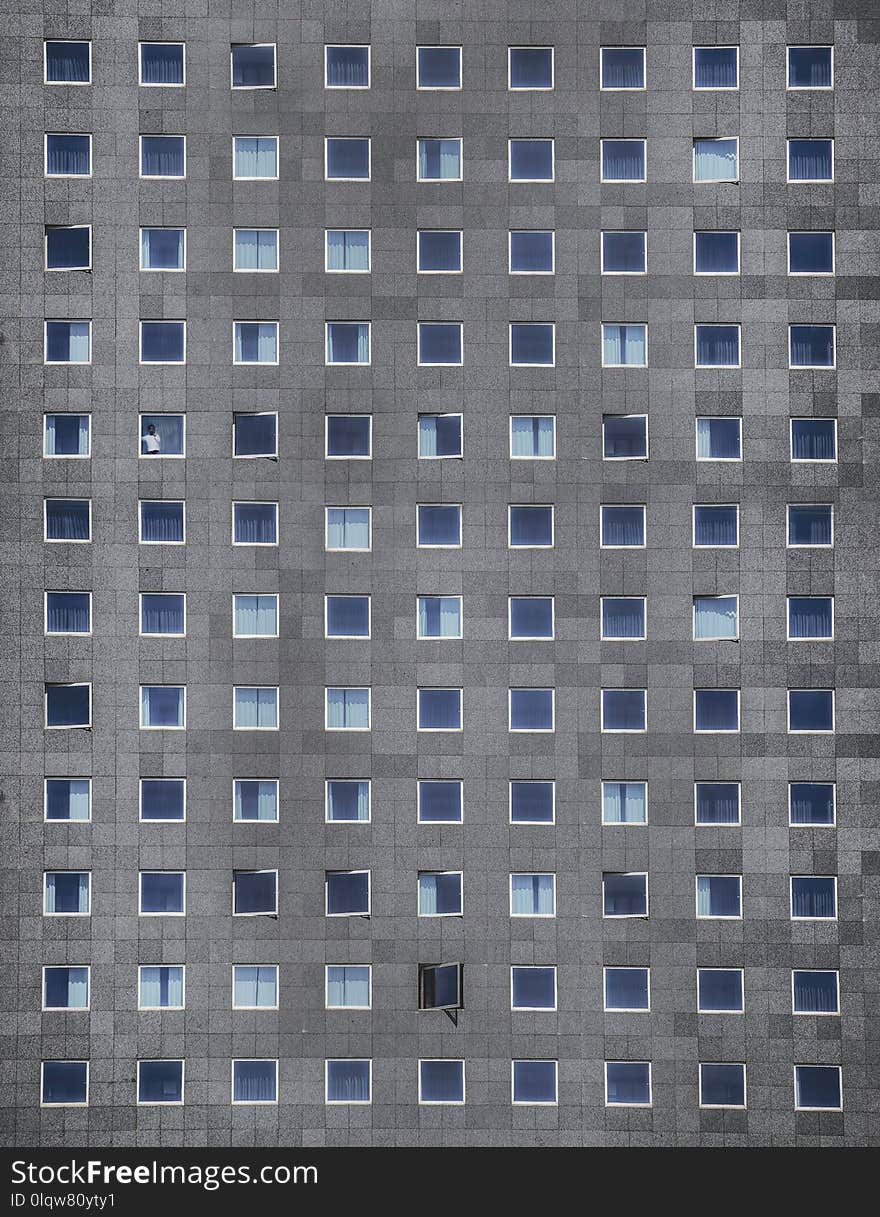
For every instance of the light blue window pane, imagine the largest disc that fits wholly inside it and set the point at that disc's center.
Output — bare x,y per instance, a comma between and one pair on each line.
163,155
348,892
810,616
532,895
162,706
719,989
716,525
624,803
439,894
811,709
163,341
625,437
348,67
439,251
256,616
348,800
68,891
254,1081
253,67
716,253
441,1081
162,892
440,159
534,1081
64,1082
716,617
809,67
623,617
161,986
628,1082
811,346
810,160
348,249
256,342
531,252
809,525
439,435
348,709
531,343
531,527
534,988
719,439
623,160
162,799
626,989
718,896
531,710
623,709
68,799
348,1081
256,249
811,802
68,248
440,616
439,709
531,160
717,346
717,802
439,342
439,802
68,155
162,248
68,613
813,896
813,439
66,988
811,253
348,616
532,437
815,993
68,62
67,434
255,986
716,710
716,67
255,523
439,67
625,895
531,802
623,68
348,158
817,1086
723,1085
162,613
439,524
348,985
531,67
256,799
256,707
256,156
348,342
161,63
624,346
160,1081
623,253
716,160
531,616
68,341
348,528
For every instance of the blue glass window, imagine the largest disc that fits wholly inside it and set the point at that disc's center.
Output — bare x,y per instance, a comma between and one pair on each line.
624,437
163,156
716,709
530,67
533,988
531,710
161,987
67,435
163,248
255,249
622,67
531,527
254,1081
719,439
66,988
624,346
532,344
160,1082
814,439
716,617
68,155
532,252
717,346
624,803
162,522
440,894
532,895
163,799
348,893
811,253
532,437
348,986
439,250
817,1087
162,892
68,342
253,66
722,1085
162,435
163,342
255,156
623,160
815,993
624,253
716,67
810,616
347,67
532,802
440,342
810,524
348,342
716,160
68,62
716,526
627,1083
64,1083
348,249
67,893
719,990
624,710
531,616
717,802
719,895
163,706
534,1082
439,436
348,616
349,1081
439,709
68,519
255,435
255,342
811,803
348,159
439,616
811,346
349,435
622,526
810,67
68,798
439,802
810,160
438,67
255,523
623,617
162,63
626,989
254,892
439,160
254,987
69,248
163,613
438,525
531,160
68,612
716,253
68,705
813,897
255,708
348,709
255,799
440,986
348,528
624,895
811,709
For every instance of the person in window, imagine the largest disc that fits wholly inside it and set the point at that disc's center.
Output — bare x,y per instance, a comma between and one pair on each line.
152,443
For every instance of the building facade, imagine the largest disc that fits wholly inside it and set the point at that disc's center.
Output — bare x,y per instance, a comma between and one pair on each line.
441,511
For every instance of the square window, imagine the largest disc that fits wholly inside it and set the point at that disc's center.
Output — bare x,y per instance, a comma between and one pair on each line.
532,709
440,343
622,67
347,616
811,160
439,802
716,527
68,520
438,67
68,799
254,893
720,990
438,617
624,710
255,800
163,342
716,67
813,439
163,799
255,342
255,249
532,252
815,993
440,894
717,803
627,989
810,617
348,528
531,617
254,1082
622,527
534,1083
347,986
163,249
817,1088
716,160
531,160
719,439
439,710
68,612
347,159
530,527
162,522
717,346
163,707
68,342
255,708
438,160
441,986
624,802
347,342
533,895
67,893
346,67
532,437
623,617
255,435
624,895
254,523
627,1084
68,248
253,65
161,987
810,67
530,67
64,1084
348,1081
67,435
255,615
716,253
162,893
533,988
813,898
66,988
438,251
811,253
719,896
159,1082
347,893
532,802
68,706
716,710
624,253
625,437
623,160
347,710
163,156
438,526
624,346
347,250
811,710
440,436
810,524
811,804
255,987
349,436
811,346
255,157
162,64
68,155
67,62
163,614
532,344
722,1085
716,618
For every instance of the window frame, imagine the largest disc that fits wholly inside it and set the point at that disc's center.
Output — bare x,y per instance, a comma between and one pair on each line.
47,134
510,233
715,596
722,1106
141,540
45,886
419,269
369,142
140,890
420,363
812,460
49,777
615,232
327,817
622,730
603,637
789,637
714,181
742,988
791,879
67,684
459,689
814,367
160,270
56,1061
624,181
47,633
813,782
276,782
348,596
510,328
160,177
146,726
257,544
66,363
345,456
801,731
737,823
533,139
143,84
737,730
139,1102
717,916
650,1102
47,540
513,455
140,968
67,83
253,46
515,1102
440,46
368,912
246,1060
256,270
66,456
730,460
277,599
56,270
328,966
459,912
720,367
511,88
642,324
718,274
549,545
627,916
446,456
330,270
798,46
624,88
535,967
694,544
460,141
52,966
258,363
237,727
447,781
532,873
460,543
254,456
644,508
161,363
835,972
811,274
809,181
369,691
277,970
237,178
551,637
695,88
442,1102
151,820
788,542
348,507
162,456
839,1069
440,637
603,782
625,967
336,363
257,870
528,781
551,689
627,458
328,1102
353,46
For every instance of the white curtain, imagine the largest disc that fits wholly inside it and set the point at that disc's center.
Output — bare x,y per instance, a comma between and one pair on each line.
162,986
531,895
256,342
624,802
348,985
348,800
624,345
255,614
348,708
715,617
256,799
348,249
255,986
348,528
255,1081
715,160
256,156
439,616
256,249
256,707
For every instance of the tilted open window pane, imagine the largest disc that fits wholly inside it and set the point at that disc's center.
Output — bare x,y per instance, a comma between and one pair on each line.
254,892
68,705
716,617
255,435
625,437
253,66
716,160
347,893
624,895
441,986
68,248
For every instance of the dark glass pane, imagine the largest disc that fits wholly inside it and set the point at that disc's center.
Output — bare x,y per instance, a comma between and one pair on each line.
68,612
623,617
811,253
810,159
534,1081
623,709
815,992
160,1081
531,251
623,68
715,67
531,343
623,252
256,524
255,891
68,705
531,802
813,896
531,617
68,62
623,525
716,710
531,160
811,709
67,248
812,802
531,67
162,522
439,251
813,439
256,434
809,67
162,799
717,803
253,67
68,520
68,154
348,158
624,437
65,1081
716,252
162,341
531,526
625,895
626,988
716,525
348,67
809,525
348,434
162,155
348,893
348,616
439,67
162,613
722,1085
161,892
440,343
439,525
720,989
439,801
534,988
162,63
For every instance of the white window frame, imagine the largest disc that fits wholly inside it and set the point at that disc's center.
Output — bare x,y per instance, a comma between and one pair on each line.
531,689
801,460
719,366
513,456
159,871
625,967
440,689
804,1065
277,985
552,967
368,912
349,823
725,46
420,271
66,456
789,637
441,637
59,1061
835,972
160,177
694,544
353,363
64,777
618,88
459,782
622,823
277,598
552,543
643,325
160,363
182,967
798,46
160,270
274,178
258,363
715,596
812,274
141,540
451,456
277,727
246,1060
644,543
460,912
369,725
51,967
788,543
813,782
66,83
624,139
162,456
718,274
526,916
141,632
533,139
256,270
814,367
354,45
742,989
615,232
66,363
257,870
627,458
723,1106
254,88
66,684
256,544
328,966
511,88
56,270
253,456
730,460
159,778
807,181
719,782
139,1102
160,42
526,781
627,916
442,1102
369,140
88,134
615,637
276,783
800,689
460,177
420,545
714,181
791,915
346,507
419,362
650,1102
510,234
554,1102
59,871
145,726
511,637
510,326
65,633
440,46
737,730
64,540
622,730
347,457
328,270
716,916
328,1102
349,596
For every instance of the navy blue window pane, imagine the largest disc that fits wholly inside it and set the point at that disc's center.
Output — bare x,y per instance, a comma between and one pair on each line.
623,709
68,154
256,524
68,891
68,62
348,893
161,892
809,67
255,891
719,989
348,158
813,439
623,68
68,612
441,1081
715,67
345,800
439,893
348,1081
531,342
441,986
719,439
812,802
67,799
162,248
439,801
531,709
811,709
716,710
162,521
439,435
534,988
348,434
531,160
812,346
531,252
67,248
68,519
161,63
716,253
67,705
160,1081
623,160
722,1085
811,253
717,802
531,617
65,987
818,1085
162,799
68,341
440,709
439,525
813,896
254,1081
162,613
815,992
67,434
534,1081
162,155
717,345
626,988
625,895
809,525
716,525
439,251
623,617
439,67
253,67
810,616
348,67
719,896
628,1082
256,434
65,1081
348,615
440,342
624,437
623,253
623,525
162,341
531,802
531,67
531,526
810,160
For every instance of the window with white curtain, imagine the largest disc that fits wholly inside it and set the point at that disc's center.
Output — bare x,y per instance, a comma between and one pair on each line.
624,710
716,710
67,799
347,342
163,614
66,988
347,616
438,67
255,249
716,618
532,801
623,617
162,64
719,896
720,990
347,250
534,1083
624,346
68,612
67,435
811,346
531,617
68,247
438,617
159,1082
162,435
439,160
68,342
624,802
810,67
532,709
811,804
530,526
716,526
255,987
346,159
813,897
532,895
347,801
438,526
67,893
253,65
64,1083
625,437
254,342
438,251
347,709
162,893
255,157
347,893
622,527
68,706
440,894
717,346
622,67
532,437
810,711
624,253
163,249
624,894
532,344
811,160
254,893
254,1082
722,1085
348,528
348,1081
255,615
810,617
347,986
163,799
348,436
716,253
439,709
532,251
813,439
254,523
441,1082
811,253
533,988
815,992
719,439
439,802
531,160
810,525
440,436
68,155
163,156
161,987
716,160
716,802
163,342
623,160
255,708
163,707
67,62
627,988
817,1088
346,67
716,67
440,344
255,800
